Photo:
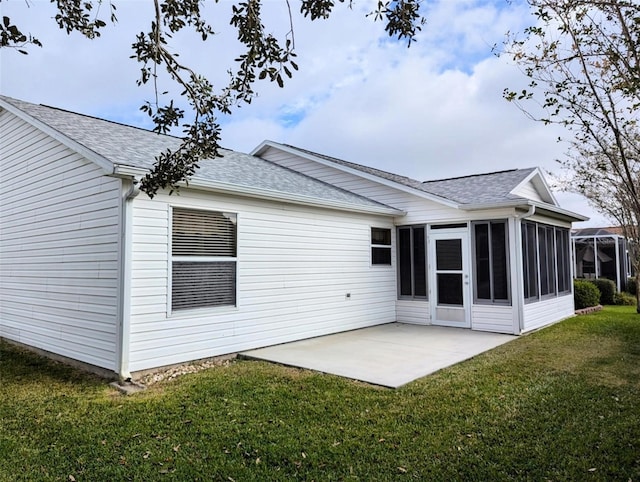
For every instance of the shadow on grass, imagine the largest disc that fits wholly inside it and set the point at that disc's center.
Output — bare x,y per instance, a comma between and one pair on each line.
19,366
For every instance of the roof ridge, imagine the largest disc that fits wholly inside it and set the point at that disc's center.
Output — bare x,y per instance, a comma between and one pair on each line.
477,175
122,124
332,158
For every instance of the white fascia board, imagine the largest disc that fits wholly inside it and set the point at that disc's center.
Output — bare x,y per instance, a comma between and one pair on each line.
597,236
385,182
269,195
102,162
541,183
526,204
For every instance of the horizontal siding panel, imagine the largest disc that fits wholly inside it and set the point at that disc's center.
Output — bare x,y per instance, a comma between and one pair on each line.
413,311
59,246
92,328
498,319
60,303
545,312
80,301
66,287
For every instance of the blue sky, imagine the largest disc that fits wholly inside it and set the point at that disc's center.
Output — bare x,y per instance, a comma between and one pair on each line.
430,111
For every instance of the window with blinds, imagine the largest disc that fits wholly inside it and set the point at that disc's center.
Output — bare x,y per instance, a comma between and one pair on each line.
203,259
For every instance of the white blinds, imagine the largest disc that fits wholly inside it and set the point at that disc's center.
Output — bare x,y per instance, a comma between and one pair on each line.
198,285
203,233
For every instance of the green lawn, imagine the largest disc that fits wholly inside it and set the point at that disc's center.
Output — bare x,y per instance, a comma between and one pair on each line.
559,404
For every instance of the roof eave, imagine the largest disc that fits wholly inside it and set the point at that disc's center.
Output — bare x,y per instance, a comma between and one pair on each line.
386,182
102,162
549,209
266,194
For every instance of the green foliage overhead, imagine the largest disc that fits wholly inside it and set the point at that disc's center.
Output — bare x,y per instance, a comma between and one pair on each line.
264,57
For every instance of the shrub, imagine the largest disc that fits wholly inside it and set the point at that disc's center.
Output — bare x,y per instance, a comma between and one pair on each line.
631,286
624,298
585,294
607,289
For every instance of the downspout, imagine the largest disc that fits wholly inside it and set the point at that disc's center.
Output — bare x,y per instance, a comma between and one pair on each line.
520,267
125,282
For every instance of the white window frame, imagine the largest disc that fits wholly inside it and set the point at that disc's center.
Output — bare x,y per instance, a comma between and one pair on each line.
204,259
386,247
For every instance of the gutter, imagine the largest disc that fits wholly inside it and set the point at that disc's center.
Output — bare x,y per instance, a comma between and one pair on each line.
550,208
248,191
126,241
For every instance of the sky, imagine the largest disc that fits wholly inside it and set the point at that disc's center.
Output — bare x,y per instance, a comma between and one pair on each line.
433,110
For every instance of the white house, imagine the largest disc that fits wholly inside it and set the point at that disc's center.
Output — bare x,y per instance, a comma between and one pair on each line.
259,249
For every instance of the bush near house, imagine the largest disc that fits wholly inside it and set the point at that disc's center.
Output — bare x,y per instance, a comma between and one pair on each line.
631,286
624,299
585,294
607,290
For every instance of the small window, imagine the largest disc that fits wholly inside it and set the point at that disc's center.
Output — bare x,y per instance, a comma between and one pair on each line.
381,246
203,259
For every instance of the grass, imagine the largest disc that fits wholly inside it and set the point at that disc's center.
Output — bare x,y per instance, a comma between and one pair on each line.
559,404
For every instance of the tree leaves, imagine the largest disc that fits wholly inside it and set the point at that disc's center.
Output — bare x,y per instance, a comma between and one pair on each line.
264,57
583,59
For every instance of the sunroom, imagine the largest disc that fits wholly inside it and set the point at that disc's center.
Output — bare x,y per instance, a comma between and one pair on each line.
503,275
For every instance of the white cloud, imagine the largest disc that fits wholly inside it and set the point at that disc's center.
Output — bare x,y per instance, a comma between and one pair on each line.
433,110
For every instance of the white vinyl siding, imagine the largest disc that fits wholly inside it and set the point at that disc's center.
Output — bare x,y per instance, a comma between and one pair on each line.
296,267
498,319
59,245
543,313
416,312
528,190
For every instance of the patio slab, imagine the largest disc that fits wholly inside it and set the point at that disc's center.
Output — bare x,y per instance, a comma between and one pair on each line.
389,355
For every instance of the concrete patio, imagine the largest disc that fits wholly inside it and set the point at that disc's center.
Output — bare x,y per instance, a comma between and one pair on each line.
388,355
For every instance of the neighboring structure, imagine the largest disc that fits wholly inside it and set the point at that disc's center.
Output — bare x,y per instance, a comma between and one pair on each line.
259,249
602,253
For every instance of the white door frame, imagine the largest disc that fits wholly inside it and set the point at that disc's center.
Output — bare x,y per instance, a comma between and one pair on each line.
450,315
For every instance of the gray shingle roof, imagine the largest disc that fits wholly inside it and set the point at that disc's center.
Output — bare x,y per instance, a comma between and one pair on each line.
134,147
480,188
486,188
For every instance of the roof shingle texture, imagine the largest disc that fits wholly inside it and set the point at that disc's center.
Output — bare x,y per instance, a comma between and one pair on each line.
492,187
130,146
